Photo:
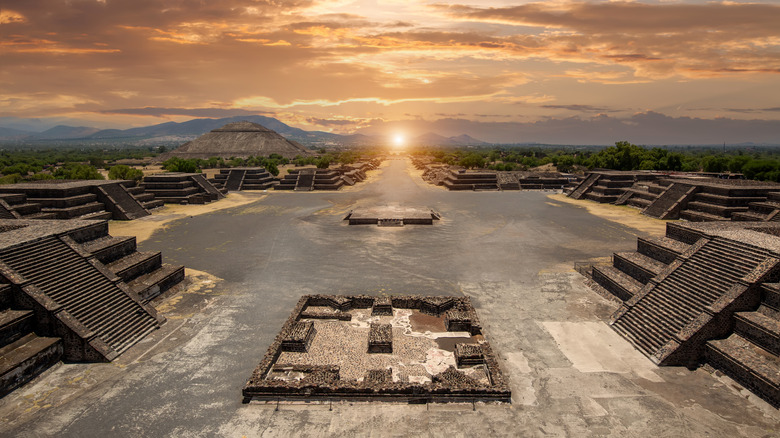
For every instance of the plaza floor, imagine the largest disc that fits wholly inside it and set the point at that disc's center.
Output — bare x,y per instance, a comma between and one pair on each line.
511,252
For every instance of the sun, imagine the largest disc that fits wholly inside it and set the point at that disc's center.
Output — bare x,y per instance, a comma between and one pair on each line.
399,141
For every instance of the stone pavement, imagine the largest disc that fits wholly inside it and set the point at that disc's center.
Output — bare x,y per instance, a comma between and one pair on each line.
511,252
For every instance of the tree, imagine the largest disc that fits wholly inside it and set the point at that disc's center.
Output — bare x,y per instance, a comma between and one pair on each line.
472,160
176,164
77,171
125,172
272,168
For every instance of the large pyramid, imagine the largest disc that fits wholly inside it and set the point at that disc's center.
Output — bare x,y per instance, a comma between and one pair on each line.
241,140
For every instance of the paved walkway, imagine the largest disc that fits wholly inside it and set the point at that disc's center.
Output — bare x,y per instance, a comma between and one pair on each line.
512,252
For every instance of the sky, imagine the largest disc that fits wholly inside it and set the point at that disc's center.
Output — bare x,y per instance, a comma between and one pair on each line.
567,71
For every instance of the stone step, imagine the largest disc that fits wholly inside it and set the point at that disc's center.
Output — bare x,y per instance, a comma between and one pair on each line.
15,324
700,216
75,211
27,208
129,267
760,329
25,358
749,216
65,202
748,364
639,202
98,215
727,201
765,207
770,295
637,265
154,203
662,249
107,248
144,197
616,282
715,209
150,285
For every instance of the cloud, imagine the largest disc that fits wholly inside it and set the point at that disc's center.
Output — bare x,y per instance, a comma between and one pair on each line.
656,40
330,122
582,108
194,112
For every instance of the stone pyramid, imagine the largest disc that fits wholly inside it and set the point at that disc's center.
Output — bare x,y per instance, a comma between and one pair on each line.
239,139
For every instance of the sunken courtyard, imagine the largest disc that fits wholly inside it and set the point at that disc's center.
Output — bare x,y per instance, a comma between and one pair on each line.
292,321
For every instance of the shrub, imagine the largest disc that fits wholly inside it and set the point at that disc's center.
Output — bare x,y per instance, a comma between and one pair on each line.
125,172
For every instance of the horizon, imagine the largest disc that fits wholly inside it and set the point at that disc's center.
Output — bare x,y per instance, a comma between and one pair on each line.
568,72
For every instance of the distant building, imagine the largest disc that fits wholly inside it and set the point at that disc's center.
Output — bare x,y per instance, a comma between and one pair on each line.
240,140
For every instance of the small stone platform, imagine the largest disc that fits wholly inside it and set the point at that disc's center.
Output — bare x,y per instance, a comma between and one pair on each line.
408,355
392,215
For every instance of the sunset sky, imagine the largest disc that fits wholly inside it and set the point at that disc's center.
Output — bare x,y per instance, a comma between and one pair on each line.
388,66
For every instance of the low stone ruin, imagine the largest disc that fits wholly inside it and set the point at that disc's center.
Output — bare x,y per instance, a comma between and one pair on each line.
70,291
181,188
306,180
243,178
82,199
391,216
361,352
380,338
704,293
694,197
456,178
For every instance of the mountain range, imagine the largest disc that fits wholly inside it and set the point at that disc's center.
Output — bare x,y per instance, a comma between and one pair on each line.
177,133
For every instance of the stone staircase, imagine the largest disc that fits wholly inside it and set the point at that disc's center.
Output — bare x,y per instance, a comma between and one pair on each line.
74,293
144,198
205,186
15,206
234,180
683,294
88,295
23,354
584,186
761,211
751,355
702,293
121,203
305,181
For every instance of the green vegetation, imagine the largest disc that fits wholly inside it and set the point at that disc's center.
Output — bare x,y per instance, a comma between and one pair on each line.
125,172
759,164
77,171
31,164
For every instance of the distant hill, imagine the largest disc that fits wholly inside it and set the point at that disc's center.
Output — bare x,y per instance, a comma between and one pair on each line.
67,132
179,133
432,139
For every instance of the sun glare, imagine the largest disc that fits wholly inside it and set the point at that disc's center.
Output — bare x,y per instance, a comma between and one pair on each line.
399,141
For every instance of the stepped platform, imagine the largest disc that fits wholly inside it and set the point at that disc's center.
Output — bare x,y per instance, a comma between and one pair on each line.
761,210
73,293
694,197
609,186
181,188
465,180
82,199
244,178
391,215
372,357
306,180
704,293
